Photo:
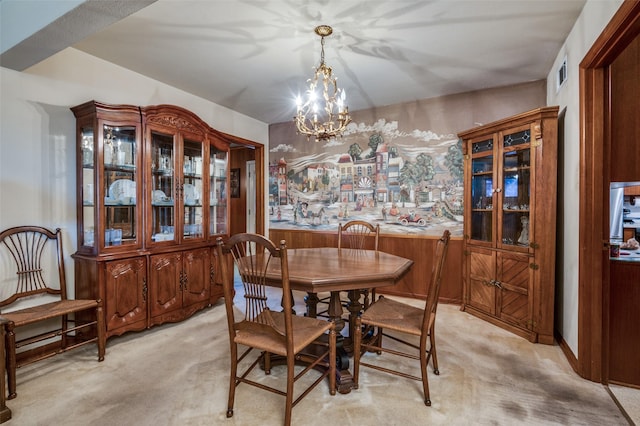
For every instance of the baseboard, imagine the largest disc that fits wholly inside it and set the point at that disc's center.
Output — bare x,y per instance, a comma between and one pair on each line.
568,353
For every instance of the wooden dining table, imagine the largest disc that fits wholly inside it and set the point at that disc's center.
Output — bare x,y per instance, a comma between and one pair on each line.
336,270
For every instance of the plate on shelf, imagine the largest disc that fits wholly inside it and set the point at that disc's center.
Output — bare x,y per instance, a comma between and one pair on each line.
159,196
121,189
191,195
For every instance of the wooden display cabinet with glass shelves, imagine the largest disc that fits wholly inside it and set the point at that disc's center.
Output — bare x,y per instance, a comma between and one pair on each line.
151,201
509,220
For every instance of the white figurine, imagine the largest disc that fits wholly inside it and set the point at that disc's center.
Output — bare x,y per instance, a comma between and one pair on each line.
524,234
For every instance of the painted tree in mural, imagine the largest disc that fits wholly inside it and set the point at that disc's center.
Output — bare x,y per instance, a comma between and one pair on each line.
415,173
325,180
453,160
355,151
374,141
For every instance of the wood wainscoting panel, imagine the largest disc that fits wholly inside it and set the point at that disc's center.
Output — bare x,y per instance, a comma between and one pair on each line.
419,249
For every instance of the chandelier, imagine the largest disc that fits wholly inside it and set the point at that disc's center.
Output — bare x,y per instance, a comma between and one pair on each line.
322,115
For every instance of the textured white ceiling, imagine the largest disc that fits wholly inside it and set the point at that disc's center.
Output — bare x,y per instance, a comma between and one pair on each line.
255,56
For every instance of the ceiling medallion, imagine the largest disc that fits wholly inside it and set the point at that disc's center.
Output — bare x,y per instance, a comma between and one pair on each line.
322,115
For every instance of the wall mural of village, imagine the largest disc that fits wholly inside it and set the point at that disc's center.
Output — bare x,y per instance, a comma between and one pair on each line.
408,182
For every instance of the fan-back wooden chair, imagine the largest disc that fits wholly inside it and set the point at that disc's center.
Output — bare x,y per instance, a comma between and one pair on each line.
39,295
261,327
358,234
387,314
355,234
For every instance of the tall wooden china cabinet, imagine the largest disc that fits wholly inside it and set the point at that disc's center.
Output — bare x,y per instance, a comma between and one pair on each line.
510,181
152,198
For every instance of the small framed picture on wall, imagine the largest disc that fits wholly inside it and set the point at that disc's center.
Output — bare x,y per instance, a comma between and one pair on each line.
234,184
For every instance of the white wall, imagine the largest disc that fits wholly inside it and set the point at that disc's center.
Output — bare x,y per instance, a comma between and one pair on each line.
595,15
37,133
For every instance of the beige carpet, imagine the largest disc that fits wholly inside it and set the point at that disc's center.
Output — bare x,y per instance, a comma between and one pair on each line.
176,374
629,399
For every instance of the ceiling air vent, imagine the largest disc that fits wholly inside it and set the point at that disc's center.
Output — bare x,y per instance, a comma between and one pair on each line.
561,74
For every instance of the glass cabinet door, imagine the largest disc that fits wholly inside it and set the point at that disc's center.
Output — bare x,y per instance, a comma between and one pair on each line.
217,192
88,191
120,185
516,188
482,191
192,189
163,187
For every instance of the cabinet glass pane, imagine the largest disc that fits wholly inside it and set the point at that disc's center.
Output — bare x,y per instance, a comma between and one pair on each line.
482,146
88,193
517,138
120,203
482,197
516,192
192,190
482,225
217,192
162,187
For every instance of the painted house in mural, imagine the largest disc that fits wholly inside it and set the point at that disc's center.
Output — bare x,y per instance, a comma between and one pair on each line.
387,175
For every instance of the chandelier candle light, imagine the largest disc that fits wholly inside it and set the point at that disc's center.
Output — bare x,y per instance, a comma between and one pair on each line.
314,120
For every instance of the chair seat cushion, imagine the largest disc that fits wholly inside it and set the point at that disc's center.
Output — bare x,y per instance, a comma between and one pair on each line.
265,337
394,315
47,311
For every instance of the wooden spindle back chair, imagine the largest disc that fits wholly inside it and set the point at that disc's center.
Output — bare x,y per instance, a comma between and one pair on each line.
261,327
391,315
36,297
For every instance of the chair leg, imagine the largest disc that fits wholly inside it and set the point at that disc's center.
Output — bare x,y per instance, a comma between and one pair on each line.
432,349
5,412
291,374
63,328
357,342
232,379
266,357
378,340
425,380
11,360
101,331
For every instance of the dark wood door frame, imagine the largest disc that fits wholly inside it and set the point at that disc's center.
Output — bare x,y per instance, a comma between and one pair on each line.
595,143
260,178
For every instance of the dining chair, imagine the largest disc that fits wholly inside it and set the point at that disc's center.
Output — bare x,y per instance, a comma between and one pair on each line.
280,336
355,234
406,320
359,234
35,305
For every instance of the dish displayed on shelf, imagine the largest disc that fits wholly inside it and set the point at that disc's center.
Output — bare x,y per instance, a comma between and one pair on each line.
122,190
191,195
158,196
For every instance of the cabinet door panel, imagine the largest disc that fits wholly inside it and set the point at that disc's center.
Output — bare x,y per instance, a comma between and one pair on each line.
197,282
161,227
164,289
480,183
126,303
215,277
514,275
481,293
515,195
193,189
